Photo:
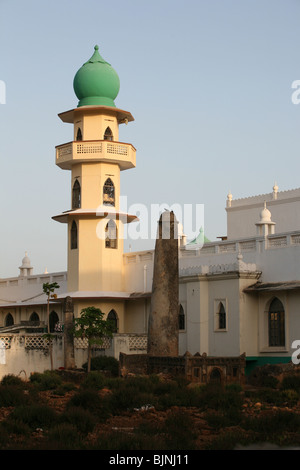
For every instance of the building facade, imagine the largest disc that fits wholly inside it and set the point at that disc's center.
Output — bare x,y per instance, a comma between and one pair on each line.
239,295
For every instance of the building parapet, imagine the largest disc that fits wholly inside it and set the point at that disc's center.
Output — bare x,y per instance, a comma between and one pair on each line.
33,279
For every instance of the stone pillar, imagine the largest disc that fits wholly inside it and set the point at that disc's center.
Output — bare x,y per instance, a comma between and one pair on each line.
163,319
69,355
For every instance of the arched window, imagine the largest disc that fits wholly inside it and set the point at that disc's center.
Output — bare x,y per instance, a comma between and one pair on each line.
9,320
76,195
276,323
79,134
221,317
34,317
112,317
108,135
53,321
111,235
181,318
109,193
74,235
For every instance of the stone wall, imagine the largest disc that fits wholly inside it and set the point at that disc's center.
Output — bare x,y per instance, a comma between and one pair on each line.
197,368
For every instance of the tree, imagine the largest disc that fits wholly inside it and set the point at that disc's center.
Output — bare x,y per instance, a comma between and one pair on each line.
48,289
92,326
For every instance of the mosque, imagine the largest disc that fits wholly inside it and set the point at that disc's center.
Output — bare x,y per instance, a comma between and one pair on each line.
238,295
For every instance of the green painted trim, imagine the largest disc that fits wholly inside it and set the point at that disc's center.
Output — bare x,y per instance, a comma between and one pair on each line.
96,101
257,361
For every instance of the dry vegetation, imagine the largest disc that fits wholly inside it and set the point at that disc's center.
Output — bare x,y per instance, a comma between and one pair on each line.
100,411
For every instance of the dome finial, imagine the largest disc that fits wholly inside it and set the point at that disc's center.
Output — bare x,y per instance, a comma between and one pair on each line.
96,47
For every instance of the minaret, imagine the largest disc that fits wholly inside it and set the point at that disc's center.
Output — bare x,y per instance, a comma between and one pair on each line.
95,159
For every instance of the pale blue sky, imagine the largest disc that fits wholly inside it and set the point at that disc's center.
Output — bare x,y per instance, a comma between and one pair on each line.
207,81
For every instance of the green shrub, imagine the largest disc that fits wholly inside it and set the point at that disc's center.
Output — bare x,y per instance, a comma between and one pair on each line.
275,423
12,396
127,399
234,387
48,380
179,431
88,400
104,363
83,420
260,376
35,416
291,382
63,436
64,388
93,380
11,379
215,397
290,396
231,417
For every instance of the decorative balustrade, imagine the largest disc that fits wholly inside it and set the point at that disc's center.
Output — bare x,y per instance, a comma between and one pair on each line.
93,150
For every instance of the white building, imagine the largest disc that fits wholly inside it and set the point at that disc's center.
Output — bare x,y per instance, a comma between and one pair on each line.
237,295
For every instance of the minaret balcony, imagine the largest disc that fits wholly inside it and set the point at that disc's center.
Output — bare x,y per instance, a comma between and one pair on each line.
89,151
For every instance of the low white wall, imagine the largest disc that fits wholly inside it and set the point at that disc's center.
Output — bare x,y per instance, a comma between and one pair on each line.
22,355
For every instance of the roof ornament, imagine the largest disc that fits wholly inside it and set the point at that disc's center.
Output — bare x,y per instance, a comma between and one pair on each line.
275,190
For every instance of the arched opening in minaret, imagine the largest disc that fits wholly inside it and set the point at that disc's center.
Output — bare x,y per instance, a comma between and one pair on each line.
111,235
108,135
113,319
76,195
109,193
74,236
79,134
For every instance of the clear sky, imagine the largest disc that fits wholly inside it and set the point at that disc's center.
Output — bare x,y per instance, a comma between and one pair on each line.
207,81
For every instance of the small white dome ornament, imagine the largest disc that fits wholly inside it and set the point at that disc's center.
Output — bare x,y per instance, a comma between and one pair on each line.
26,268
275,190
229,199
265,226
265,215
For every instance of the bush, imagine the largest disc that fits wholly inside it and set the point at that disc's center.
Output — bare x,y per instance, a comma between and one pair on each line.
127,399
35,416
275,423
231,417
260,376
12,396
87,400
291,382
11,379
104,363
48,380
63,436
64,388
215,397
179,431
83,420
93,380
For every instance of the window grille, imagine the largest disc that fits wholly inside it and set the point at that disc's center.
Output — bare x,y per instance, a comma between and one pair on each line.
109,193
276,323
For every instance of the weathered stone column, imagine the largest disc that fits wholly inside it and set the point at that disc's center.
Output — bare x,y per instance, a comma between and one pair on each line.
163,319
69,355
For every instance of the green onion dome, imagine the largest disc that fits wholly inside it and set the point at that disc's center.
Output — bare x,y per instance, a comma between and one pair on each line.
96,83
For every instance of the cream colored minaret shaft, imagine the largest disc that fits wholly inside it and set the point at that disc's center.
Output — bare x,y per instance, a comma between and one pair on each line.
95,158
